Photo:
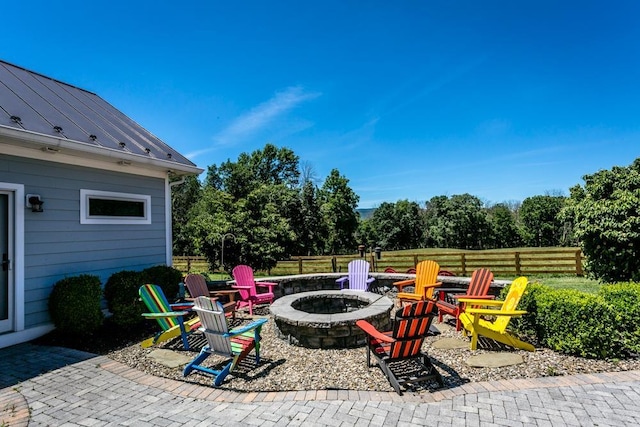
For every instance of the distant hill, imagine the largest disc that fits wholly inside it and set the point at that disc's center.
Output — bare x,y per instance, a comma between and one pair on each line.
365,213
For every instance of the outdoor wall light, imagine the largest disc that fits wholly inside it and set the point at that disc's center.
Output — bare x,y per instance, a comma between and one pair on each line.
34,201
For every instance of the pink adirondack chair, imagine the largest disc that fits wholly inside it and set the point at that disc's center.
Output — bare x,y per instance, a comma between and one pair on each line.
358,277
247,285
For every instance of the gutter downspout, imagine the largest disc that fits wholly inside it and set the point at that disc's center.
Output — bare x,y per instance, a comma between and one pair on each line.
169,219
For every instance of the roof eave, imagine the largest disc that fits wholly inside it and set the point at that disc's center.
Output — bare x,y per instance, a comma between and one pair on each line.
54,144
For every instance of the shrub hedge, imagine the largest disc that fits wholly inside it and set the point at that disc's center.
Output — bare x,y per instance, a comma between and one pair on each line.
74,304
121,292
602,326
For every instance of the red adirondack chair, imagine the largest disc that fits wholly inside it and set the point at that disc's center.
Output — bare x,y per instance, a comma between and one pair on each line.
396,349
448,298
247,285
197,287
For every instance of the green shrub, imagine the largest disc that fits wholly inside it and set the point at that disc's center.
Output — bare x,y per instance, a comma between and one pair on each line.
121,294
166,277
624,299
577,323
528,326
74,304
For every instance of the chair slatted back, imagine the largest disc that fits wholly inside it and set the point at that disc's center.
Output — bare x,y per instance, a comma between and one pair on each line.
480,281
426,274
411,325
358,274
243,275
417,309
211,314
516,290
196,285
156,302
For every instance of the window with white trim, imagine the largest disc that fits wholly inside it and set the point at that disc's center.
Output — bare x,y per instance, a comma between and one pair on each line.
108,207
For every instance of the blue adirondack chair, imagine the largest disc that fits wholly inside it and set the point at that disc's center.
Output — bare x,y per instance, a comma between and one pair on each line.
235,344
358,277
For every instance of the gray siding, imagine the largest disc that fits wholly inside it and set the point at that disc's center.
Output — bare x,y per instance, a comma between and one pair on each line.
57,245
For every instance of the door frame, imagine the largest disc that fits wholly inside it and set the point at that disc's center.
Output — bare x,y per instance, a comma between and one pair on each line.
16,209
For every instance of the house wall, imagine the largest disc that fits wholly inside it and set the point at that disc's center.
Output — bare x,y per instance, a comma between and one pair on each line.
56,245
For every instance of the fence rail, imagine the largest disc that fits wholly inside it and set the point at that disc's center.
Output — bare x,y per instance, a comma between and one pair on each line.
461,263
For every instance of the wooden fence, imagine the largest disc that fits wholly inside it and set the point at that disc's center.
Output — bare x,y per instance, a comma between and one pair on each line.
503,263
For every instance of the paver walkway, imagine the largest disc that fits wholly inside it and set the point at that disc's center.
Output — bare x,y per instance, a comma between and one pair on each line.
49,386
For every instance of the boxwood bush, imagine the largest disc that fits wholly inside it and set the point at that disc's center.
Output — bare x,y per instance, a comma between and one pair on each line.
624,299
121,294
164,276
74,304
603,326
578,323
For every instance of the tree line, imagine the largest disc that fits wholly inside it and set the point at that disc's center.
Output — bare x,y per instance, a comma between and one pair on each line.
267,206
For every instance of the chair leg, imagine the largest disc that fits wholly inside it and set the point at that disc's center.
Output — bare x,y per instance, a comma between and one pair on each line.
183,332
204,353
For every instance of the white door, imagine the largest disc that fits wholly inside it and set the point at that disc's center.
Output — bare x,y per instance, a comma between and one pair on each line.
6,250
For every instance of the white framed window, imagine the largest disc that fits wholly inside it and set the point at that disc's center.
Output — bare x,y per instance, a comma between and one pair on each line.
108,207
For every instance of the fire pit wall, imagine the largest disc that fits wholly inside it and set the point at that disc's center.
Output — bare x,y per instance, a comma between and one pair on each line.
327,319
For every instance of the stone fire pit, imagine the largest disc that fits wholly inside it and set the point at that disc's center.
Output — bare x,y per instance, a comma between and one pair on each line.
327,319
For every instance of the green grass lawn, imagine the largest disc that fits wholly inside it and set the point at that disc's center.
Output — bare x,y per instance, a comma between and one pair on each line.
568,282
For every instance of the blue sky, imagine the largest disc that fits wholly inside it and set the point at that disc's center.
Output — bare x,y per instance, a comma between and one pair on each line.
407,99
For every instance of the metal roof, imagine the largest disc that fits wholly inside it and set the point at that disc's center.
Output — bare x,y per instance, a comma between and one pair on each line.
35,103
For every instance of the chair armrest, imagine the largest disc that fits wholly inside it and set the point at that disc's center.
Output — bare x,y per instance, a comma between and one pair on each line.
249,327
402,283
482,297
269,285
371,280
241,287
373,332
491,312
429,286
452,290
180,306
476,301
342,280
165,315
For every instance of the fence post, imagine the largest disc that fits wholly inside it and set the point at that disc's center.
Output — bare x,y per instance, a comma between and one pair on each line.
463,261
373,262
300,265
579,271
334,264
518,266
415,261
188,264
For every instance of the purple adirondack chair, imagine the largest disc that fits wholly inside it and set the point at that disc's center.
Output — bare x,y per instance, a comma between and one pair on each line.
358,277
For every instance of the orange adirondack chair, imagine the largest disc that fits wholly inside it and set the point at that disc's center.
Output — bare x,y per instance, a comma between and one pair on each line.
247,285
425,282
395,348
197,287
448,299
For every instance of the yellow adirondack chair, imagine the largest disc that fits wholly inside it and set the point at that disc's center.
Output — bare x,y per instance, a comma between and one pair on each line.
497,329
425,282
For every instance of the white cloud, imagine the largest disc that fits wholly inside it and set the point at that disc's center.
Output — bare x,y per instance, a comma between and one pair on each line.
259,118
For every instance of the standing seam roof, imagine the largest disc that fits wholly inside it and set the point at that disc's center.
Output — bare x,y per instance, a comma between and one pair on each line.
34,102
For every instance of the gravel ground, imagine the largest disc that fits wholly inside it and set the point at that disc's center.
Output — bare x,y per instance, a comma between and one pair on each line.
285,367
